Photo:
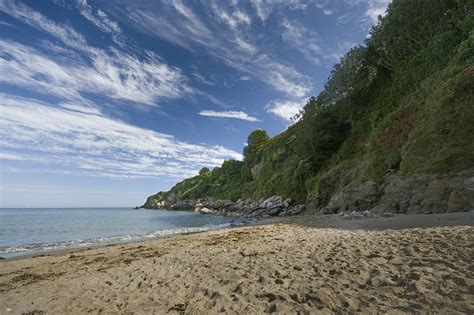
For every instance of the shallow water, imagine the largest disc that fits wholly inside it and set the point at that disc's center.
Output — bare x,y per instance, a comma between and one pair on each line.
31,231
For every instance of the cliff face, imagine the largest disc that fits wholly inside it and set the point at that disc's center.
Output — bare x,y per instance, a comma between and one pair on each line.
392,131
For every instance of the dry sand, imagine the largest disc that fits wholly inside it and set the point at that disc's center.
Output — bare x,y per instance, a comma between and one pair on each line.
307,265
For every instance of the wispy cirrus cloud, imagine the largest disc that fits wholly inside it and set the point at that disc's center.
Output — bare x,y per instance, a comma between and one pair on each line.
264,8
307,42
100,19
115,74
228,114
224,34
90,143
72,135
25,14
373,8
161,19
304,40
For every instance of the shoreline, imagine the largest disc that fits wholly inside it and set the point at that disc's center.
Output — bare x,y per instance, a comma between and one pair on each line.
304,264
252,222
395,222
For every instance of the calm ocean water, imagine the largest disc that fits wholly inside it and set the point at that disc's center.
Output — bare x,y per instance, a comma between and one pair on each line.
31,231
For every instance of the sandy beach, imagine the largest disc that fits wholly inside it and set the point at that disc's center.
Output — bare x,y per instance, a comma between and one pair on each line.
310,264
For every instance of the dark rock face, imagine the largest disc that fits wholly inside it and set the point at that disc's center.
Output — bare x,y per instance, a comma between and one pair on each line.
421,193
359,198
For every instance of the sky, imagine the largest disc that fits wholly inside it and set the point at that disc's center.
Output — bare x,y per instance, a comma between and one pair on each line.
103,103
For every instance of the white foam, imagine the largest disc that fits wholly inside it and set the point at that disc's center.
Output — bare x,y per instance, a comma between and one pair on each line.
54,246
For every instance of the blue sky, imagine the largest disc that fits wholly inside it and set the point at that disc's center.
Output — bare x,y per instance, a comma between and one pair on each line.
105,102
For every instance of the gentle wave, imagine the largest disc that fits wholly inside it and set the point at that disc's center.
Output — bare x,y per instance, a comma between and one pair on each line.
54,246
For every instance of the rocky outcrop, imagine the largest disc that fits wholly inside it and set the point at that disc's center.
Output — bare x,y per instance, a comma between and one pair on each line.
269,207
273,206
255,170
420,193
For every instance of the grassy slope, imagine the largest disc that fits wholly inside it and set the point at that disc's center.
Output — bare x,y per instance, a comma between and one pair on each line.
418,119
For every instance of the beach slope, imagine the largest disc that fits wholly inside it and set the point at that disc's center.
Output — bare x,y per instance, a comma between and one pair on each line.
310,264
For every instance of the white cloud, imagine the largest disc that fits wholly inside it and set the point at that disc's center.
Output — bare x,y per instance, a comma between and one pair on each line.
228,114
11,156
304,40
343,18
376,8
35,19
373,8
244,45
234,19
82,108
100,19
115,75
282,78
61,139
199,77
285,109
264,8
171,20
233,44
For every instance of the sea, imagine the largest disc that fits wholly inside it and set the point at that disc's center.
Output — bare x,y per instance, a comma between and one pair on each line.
37,231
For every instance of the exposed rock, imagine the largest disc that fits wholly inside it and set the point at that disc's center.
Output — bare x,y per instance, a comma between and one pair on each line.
183,205
361,197
458,201
205,210
255,170
272,206
428,193
419,193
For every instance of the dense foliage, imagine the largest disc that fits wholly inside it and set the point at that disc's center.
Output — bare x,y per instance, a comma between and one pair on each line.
402,103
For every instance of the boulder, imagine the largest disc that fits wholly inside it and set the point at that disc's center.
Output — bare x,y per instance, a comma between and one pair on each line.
198,207
274,211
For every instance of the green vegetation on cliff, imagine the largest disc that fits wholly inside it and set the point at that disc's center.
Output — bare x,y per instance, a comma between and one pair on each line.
402,103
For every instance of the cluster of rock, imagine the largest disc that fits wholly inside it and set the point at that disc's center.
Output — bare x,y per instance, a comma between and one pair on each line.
265,207
270,207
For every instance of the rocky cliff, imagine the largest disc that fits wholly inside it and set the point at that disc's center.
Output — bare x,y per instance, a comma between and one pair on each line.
419,193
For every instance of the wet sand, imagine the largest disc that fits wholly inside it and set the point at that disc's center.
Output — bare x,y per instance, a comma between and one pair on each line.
309,264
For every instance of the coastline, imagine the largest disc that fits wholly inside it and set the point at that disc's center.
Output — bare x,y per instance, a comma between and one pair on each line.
252,222
306,264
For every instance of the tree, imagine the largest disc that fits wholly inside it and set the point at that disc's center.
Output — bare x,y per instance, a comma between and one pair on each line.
204,172
256,141
351,73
